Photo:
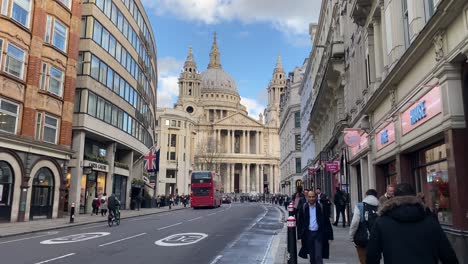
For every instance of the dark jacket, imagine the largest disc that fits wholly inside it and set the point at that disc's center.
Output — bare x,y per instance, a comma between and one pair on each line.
324,228
340,199
405,233
112,202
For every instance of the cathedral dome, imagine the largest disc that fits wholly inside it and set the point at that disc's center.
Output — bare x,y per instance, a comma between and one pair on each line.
215,79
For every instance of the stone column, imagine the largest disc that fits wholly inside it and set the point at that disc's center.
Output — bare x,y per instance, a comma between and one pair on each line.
228,178
257,142
270,178
233,177
233,140
260,142
110,157
384,39
248,141
218,142
242,179
378,50
248,184
78,143
257,178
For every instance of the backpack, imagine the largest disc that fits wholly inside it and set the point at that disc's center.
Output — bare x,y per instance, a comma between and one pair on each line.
368,215
103,201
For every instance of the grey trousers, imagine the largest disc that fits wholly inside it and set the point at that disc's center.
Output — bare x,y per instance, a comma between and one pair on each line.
314,247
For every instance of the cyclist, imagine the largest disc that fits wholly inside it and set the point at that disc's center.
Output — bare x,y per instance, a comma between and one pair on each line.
112,204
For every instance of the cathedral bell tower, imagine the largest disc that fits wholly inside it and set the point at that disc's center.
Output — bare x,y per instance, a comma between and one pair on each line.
189,82
276,89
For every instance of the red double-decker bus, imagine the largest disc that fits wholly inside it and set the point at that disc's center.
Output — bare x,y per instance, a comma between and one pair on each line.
206,191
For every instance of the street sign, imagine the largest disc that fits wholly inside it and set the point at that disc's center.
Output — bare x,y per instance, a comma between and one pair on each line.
181,239
74,238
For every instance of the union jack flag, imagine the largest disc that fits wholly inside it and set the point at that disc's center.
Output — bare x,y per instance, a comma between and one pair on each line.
151,161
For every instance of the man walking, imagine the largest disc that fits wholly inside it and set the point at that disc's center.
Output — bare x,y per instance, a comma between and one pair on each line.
363,217
387,196
315,231
405,233
340,205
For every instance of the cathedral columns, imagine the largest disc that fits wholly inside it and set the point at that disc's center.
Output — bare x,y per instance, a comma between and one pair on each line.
270,178
227,183
248,186
248,141
232,177
242,179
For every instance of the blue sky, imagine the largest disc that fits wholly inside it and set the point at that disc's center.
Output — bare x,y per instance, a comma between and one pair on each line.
251,33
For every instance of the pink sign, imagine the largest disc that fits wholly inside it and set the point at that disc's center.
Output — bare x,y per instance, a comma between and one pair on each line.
363,144
423,110
333,166
386,136
352,136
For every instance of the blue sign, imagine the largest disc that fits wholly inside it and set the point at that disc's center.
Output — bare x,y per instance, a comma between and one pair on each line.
418,112
384,137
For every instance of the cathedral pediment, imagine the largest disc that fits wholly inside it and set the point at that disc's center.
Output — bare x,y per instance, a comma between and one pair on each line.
239,119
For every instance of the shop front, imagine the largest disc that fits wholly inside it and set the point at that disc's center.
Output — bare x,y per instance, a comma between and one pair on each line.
93,183
359,166
119,189
42,196
6,191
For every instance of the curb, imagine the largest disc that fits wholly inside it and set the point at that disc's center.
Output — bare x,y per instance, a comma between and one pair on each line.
85,223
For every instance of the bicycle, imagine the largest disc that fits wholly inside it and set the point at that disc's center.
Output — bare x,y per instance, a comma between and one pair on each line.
111,219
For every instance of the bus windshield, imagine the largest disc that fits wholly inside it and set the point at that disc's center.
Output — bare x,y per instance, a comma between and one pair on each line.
201,177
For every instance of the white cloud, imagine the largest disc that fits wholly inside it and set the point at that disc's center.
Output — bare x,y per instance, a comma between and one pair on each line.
168,90
289,17
254,108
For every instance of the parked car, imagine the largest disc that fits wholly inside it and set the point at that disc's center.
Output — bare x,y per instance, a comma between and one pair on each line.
226,199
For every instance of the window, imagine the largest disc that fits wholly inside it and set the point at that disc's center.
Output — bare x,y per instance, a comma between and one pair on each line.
97,32
298,165
406,22
56,33
429,9
77,106
433,181
20,11
298,142
67,3
172,155
50,129
14,62
92,100
52,79
8,116
173,140
95,67
297,119
38,126
173,123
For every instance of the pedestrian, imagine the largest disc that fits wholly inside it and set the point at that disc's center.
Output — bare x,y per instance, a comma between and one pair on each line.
95,204
315,232
158,201
364,216
103,205
112,204
404,233
387,195
296,198
171,201
323,200
340,205
286,202
138,200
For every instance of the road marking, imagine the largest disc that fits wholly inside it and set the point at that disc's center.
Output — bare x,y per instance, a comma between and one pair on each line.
169,226
138,219
268,250
193,219
212,214
74,238
181,239
113,242
216,259
61,257
26,238
90,227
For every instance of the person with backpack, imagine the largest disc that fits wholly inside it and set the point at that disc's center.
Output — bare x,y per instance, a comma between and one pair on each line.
103,205
405,233
340,205
364,217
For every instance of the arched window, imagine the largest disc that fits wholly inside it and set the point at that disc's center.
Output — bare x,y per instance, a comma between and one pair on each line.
6,194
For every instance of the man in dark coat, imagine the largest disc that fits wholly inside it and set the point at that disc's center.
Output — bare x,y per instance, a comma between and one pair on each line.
340,205
404,233
315,231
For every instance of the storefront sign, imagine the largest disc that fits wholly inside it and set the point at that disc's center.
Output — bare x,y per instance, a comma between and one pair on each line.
96,166
363,145
333,166
352,137
299,183
310,171
423,110
386,136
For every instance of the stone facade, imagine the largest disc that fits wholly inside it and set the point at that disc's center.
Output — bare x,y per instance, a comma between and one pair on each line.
220,135
405,92
115,106
37,88
290,132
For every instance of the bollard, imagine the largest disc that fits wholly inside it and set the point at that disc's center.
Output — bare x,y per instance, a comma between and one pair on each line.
292,246
291,209
72,213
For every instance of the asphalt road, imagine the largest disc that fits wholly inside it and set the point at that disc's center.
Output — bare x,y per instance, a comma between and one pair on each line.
236,233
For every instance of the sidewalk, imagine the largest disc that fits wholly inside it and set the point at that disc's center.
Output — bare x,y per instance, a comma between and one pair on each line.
18,228
342,250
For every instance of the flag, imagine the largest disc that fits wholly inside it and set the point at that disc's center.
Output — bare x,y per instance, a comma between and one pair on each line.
151,161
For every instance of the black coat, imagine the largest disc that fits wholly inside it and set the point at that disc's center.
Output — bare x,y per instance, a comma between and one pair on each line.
324,228
405,233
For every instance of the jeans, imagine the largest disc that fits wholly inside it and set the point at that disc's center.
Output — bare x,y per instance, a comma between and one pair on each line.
314,247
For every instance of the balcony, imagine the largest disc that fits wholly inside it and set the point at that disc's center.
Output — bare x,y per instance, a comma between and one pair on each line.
360,10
